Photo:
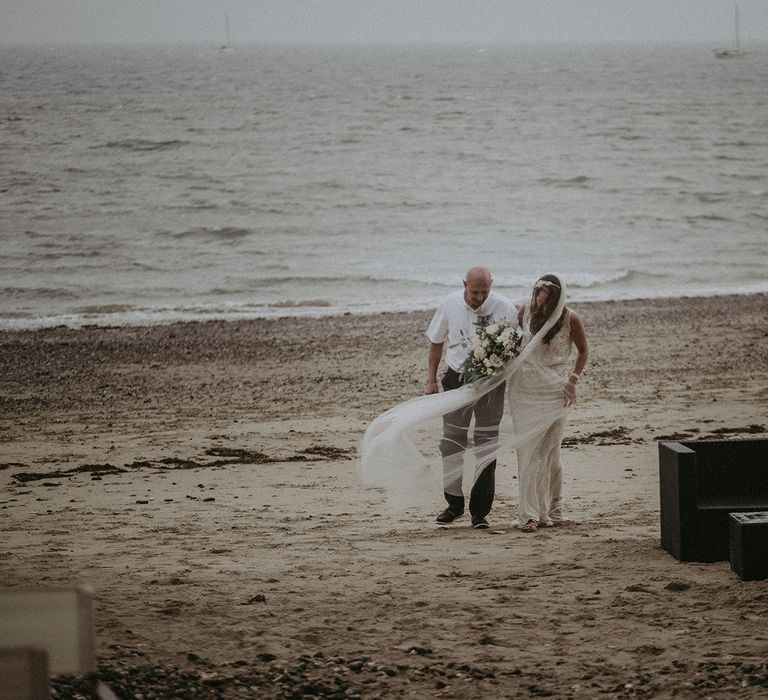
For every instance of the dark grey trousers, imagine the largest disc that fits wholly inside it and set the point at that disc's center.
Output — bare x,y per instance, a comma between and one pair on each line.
487,412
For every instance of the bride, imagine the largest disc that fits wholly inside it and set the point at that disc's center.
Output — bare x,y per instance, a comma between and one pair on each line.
397,452
544,375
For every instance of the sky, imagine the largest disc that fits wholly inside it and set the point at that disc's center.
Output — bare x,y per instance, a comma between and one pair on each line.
382,21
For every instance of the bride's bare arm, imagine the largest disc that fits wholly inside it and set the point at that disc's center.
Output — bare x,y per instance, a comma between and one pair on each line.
579,338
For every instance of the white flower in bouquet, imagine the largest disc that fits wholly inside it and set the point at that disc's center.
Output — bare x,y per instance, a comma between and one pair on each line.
490,348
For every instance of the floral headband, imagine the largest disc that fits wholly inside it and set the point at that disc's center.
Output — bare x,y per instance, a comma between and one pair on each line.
545,283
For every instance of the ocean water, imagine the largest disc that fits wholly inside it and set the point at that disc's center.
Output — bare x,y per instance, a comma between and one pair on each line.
143,185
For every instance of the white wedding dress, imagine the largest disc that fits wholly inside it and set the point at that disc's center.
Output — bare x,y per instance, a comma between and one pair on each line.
534,390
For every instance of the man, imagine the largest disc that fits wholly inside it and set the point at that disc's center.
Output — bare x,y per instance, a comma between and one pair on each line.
454,322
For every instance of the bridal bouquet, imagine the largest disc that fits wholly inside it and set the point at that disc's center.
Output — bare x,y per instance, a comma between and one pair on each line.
490,348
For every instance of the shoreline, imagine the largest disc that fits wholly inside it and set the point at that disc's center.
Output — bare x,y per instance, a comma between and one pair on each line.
289,351
183,470
55,322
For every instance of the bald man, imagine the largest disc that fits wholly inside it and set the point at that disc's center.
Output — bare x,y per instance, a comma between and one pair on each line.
454,322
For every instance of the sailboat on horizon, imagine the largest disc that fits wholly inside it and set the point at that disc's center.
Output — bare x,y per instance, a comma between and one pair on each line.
736,51
227,45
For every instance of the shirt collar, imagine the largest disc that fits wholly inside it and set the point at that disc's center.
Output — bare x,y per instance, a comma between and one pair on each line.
480,310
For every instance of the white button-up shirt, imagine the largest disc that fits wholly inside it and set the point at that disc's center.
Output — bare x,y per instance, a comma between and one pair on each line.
454,322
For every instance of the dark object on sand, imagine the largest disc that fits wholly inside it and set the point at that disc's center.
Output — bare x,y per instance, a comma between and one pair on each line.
700,483
749,544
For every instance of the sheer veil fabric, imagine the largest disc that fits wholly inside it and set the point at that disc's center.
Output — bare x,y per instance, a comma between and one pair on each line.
400,449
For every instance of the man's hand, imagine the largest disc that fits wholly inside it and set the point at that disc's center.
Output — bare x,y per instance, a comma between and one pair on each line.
433,362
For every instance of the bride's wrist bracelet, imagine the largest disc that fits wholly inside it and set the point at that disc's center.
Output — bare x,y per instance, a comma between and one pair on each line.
571,376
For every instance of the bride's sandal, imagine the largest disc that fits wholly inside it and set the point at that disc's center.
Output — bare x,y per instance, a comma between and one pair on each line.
530,526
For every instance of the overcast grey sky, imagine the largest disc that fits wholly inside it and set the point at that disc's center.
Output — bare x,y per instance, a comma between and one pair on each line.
368,21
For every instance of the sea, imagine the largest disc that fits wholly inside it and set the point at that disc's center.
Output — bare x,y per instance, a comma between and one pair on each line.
154,184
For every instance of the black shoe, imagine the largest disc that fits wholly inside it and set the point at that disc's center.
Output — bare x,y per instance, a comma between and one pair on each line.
448,516
479,522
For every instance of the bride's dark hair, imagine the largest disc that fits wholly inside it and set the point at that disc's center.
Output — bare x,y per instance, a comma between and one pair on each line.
540,314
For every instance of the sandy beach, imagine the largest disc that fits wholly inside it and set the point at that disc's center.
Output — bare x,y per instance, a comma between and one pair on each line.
202,479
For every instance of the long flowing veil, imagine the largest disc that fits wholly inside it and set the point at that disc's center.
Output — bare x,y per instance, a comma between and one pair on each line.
399,450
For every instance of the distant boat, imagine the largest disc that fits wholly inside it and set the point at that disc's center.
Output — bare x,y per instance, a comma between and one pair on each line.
227,33
736,51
